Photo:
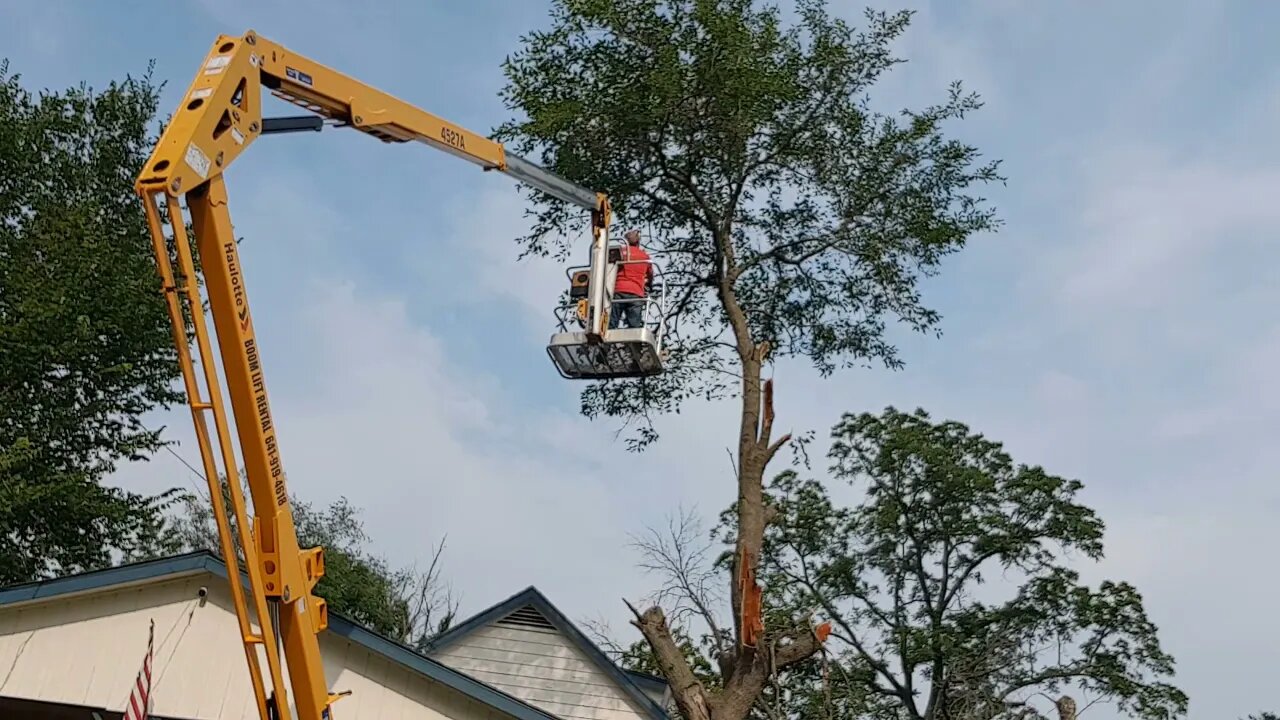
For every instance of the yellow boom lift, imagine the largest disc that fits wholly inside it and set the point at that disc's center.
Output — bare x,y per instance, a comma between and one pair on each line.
219,116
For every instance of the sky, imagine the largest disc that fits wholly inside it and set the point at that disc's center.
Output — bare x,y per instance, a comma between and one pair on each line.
1118,329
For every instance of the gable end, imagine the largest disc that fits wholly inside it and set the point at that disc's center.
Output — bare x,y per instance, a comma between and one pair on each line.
530,611
527,618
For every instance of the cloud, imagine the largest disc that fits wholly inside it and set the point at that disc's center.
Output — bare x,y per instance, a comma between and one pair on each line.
482,235
428,450
1152,224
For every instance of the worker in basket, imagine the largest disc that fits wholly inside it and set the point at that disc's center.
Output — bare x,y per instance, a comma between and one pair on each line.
635,276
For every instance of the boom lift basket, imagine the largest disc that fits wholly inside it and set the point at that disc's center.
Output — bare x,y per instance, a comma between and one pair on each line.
619,352
622,353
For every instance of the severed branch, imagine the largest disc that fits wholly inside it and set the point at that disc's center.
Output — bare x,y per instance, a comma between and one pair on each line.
766,428
770,449
796,646
690,695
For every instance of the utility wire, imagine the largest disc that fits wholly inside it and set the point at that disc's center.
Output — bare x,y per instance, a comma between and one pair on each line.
202,492
184,462
189,612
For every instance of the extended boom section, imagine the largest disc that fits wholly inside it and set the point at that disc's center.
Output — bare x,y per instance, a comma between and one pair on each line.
222,113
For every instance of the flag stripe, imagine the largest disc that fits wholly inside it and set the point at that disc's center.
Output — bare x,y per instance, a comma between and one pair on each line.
140,699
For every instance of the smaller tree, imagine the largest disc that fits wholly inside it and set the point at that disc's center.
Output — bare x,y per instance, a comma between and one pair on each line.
903,577
691,587
85,344
406,604
431,606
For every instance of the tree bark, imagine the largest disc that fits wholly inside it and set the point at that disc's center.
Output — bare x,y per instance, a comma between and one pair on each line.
691,697
750,485
1066,708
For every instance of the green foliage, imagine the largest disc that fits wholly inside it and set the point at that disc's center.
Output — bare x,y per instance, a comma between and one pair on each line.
356,584
405,604
903,578
784,208
638,656
85,346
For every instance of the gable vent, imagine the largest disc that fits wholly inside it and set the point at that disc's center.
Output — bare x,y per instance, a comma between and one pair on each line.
527,617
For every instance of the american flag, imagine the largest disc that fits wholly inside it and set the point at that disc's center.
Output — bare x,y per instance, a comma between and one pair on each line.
140,699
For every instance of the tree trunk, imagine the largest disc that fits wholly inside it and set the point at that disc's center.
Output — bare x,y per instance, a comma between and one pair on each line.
747,668
758,651
750,486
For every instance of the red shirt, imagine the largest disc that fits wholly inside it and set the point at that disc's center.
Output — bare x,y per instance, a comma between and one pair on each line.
633,275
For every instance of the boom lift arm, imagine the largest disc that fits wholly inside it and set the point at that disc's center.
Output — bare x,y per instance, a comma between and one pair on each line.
221,115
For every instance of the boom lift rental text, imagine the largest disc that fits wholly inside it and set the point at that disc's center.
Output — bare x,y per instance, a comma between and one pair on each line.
219,116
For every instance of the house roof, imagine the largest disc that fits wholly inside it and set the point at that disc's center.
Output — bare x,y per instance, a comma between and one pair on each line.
629,682
645,680
204,561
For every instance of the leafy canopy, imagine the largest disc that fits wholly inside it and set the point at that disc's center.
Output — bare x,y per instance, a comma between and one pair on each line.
904,576
784,209
85,346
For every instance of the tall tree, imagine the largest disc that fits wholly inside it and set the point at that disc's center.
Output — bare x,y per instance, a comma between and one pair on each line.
410,605
904,575
85,348
793,220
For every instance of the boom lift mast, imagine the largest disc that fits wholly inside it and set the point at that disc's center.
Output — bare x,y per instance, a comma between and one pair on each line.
221,115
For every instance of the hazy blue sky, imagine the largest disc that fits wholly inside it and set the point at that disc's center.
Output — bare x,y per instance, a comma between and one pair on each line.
1120,329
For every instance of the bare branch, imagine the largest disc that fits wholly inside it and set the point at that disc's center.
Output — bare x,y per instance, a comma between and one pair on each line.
681,556
431,603
775,447
602,635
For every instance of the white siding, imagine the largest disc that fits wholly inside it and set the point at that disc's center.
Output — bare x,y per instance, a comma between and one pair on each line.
544,669
88,649
384,689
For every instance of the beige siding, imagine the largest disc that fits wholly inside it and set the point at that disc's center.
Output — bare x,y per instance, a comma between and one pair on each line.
87,650
543,668
384,689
